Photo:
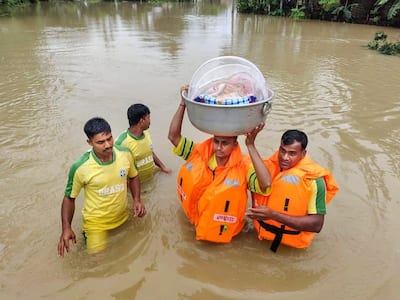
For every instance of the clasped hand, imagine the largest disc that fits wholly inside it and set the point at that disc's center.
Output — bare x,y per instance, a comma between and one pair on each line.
259,213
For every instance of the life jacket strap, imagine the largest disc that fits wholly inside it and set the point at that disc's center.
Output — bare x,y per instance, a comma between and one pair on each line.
278,231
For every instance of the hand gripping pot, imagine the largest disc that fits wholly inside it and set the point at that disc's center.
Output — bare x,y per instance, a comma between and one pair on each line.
227,96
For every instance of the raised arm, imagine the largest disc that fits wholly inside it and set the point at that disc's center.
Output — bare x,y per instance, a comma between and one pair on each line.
67,213
263,175
175,127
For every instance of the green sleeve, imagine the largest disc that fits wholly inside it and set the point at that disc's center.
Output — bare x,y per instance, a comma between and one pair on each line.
184,148
317,203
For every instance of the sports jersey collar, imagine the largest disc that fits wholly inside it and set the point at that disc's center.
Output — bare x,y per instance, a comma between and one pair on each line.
212,163
101,162
135,137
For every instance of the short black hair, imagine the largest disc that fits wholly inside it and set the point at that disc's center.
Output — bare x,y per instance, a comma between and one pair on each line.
136,112
96,125
235,137
292,135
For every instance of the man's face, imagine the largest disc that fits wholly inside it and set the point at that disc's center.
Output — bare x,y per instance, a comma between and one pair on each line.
223,146
102,144
145,122
290,155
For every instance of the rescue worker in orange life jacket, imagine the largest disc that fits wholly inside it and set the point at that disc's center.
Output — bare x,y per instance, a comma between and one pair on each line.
212,184
295,209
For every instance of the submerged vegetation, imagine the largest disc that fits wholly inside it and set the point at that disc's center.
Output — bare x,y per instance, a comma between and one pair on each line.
381,44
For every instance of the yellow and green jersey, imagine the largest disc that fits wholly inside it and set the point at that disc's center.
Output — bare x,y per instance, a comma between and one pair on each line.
105,187
317,202
142,151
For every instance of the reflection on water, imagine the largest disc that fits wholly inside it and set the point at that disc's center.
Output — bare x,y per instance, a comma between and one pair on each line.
66,62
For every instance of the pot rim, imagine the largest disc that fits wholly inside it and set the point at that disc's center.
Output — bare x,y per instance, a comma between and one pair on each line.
269,99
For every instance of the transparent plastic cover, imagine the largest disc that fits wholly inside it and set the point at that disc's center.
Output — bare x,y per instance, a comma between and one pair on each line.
225,79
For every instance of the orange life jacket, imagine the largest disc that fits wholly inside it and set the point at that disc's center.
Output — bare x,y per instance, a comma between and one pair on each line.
290,194
214,201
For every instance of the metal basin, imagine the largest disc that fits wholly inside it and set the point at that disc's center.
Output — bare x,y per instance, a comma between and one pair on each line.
227,120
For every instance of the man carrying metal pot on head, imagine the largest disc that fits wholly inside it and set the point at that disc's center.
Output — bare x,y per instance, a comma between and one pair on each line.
212,184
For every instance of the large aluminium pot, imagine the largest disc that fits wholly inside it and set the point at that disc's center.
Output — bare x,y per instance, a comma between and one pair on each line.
227,120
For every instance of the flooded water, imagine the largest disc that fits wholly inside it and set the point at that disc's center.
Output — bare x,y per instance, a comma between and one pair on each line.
65,63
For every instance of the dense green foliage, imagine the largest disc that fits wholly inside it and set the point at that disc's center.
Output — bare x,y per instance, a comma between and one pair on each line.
7,6
378,12
12,3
